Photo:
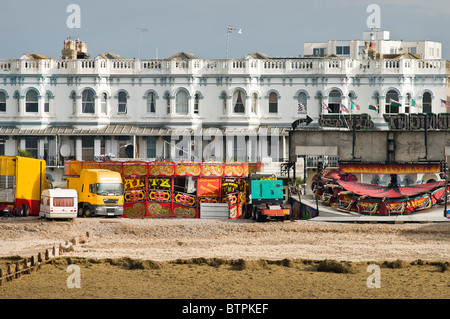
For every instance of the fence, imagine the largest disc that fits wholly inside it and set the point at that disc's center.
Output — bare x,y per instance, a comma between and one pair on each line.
31,264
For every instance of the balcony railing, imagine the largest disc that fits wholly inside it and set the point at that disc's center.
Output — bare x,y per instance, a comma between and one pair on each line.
232,66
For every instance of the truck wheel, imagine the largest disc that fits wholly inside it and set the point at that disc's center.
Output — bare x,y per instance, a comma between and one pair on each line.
24,211
259,216
80,212
254,212
87,212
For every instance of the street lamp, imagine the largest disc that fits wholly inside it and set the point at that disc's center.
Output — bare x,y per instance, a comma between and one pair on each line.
140,38
230,30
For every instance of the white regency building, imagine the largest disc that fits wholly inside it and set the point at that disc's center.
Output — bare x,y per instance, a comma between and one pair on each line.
188,108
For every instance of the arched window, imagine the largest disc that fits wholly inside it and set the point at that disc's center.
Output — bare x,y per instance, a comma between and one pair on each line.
334,101
181,102
31,104
17,98
73,98
196,103
2,102
426,102
302,103
351,100
238,102
151,102
254,103
392,103
47,103
273,102
376,97
407,102
87,101
122,106
104,103
224,102
167,97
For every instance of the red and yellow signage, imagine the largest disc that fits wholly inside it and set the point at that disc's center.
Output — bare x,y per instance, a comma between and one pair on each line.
385,168
152,189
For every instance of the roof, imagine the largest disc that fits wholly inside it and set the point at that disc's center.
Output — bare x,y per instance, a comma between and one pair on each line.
109,55
184,56
259,55
34,56
399,56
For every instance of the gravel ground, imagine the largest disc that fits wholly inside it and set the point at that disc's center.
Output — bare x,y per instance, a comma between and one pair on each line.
171,239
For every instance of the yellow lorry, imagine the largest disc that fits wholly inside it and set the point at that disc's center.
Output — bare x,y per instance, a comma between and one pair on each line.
100,192
22,179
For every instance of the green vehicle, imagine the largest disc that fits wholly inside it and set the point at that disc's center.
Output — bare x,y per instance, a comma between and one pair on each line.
266,199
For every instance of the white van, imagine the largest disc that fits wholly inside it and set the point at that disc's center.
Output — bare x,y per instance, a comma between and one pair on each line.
59,203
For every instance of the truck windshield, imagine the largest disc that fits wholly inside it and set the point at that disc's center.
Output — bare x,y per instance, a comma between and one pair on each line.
109,189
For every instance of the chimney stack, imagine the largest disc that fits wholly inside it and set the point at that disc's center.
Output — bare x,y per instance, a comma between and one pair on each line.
74,50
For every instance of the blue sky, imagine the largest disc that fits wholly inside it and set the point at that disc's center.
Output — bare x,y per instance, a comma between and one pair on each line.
277,28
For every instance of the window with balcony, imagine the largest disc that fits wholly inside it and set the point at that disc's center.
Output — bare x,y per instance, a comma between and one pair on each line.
2,102
122,106
88,102
182,102
31,103
238,102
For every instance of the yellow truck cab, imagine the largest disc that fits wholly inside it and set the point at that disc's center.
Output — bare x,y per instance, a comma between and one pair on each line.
100,192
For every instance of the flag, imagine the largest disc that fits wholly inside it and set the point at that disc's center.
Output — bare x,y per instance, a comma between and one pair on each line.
413,103
343,108
444,103
373,107
395,103
325,107
353,106
419,105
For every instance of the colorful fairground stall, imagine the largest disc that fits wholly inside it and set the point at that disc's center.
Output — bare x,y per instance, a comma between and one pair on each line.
340,191
176,189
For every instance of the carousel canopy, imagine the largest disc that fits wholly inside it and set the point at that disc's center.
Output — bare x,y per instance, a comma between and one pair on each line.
395,191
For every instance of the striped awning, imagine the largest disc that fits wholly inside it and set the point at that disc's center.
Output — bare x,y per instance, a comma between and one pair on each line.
127,130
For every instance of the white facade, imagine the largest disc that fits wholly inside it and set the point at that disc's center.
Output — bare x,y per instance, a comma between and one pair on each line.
382,44
195,109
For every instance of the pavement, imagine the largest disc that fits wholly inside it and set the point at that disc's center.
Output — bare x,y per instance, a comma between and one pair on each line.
331,214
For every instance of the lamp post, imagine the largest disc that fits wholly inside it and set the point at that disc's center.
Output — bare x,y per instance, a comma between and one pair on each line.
230,30
141,30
